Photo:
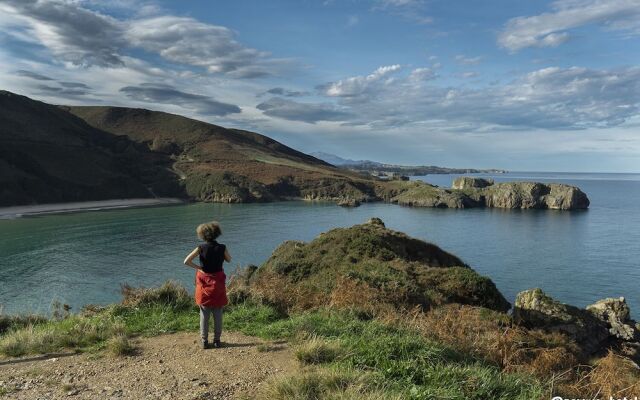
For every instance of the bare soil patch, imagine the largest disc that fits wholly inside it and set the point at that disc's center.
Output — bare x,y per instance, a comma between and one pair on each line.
164,367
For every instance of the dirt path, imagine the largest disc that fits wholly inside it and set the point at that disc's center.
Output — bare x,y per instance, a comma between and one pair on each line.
166,367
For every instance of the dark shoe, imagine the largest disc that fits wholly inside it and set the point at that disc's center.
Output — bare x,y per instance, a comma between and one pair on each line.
204,344
217,344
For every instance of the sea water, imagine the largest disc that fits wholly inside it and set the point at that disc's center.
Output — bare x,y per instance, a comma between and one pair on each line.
577,257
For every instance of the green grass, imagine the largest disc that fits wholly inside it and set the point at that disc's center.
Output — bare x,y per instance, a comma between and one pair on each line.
74,332
318,351
349,357
402,361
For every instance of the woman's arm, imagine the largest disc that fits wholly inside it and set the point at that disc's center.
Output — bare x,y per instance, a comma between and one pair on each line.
189,260
227,256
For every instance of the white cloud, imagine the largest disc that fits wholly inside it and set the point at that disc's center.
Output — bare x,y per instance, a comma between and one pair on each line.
461,59
358,85
422,74
81,36
550,29
188,41
162,93
70,32
551,98
469,74
306,112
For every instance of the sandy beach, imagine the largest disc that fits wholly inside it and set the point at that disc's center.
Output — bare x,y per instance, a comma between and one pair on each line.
57,208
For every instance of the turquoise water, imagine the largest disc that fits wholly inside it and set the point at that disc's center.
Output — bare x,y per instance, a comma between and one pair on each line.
82,258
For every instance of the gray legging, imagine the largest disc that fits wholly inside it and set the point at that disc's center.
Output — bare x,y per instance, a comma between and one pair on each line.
205,312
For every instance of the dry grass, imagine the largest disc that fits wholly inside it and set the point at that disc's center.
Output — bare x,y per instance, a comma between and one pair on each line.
347,294
317,351
612,376
350,294
120,346
470,329
286,296
491,336
325,383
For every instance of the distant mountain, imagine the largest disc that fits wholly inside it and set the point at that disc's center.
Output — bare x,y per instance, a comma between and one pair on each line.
378,168
339,161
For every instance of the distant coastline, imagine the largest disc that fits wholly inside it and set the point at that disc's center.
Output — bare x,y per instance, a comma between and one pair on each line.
62,208
379,169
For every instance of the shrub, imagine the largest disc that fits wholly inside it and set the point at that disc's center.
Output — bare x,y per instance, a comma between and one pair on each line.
120,345
13,322
171,293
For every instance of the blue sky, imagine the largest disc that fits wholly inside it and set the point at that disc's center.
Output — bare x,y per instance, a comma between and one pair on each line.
520,85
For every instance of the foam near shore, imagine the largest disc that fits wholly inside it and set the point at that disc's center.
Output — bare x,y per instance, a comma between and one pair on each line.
57,208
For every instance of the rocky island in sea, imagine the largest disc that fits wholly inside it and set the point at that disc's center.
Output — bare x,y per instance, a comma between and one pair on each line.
360,312
139,153
469,192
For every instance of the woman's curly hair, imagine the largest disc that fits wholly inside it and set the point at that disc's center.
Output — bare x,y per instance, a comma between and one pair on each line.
209,231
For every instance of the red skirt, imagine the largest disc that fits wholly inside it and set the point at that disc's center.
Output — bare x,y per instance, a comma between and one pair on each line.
211,290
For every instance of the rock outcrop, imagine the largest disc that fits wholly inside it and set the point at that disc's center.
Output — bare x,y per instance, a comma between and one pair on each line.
420,194
349,203
534,309
593,329
466,182
553,196
615,314
371,264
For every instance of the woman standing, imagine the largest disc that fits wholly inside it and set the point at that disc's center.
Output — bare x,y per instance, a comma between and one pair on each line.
211,293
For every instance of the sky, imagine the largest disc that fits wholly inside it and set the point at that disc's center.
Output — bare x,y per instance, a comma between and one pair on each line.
511,84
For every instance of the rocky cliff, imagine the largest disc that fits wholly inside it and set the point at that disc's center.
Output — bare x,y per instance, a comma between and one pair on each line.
554,196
